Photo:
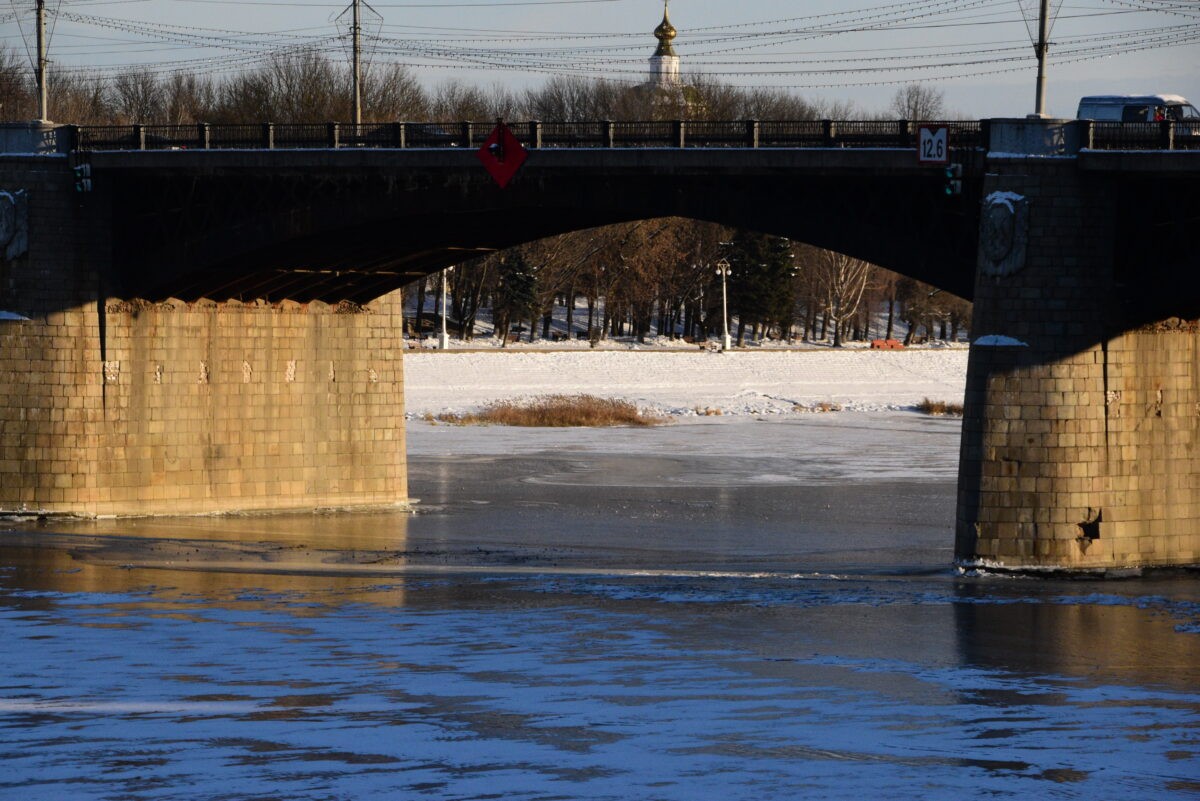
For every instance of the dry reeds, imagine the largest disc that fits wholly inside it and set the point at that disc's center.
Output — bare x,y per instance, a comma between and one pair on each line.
556,411
820,407
940,408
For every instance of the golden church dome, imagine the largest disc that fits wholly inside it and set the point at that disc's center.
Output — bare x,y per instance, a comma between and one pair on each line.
665,32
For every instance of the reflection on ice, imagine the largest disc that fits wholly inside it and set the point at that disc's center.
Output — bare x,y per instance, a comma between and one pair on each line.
1102,637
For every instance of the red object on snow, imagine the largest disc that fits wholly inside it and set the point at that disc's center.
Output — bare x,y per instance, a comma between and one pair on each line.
502,155
886,344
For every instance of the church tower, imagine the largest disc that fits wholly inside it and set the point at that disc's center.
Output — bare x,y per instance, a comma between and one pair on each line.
664,64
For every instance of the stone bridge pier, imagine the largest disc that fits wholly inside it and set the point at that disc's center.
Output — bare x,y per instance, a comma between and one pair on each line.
1082,412
116,407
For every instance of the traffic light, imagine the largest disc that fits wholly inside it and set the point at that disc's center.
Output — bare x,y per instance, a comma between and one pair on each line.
83,177
954,179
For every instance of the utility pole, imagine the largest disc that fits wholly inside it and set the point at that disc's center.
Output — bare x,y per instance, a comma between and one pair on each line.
43,106
356,34
1042,45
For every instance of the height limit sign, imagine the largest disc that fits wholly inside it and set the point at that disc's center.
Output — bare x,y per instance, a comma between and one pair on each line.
933,144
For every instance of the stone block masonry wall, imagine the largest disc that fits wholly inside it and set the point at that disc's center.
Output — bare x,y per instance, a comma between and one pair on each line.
1079,437
189,408
1152,434
114,407
53,283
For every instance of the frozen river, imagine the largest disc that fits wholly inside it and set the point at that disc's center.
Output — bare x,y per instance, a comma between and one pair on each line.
731,609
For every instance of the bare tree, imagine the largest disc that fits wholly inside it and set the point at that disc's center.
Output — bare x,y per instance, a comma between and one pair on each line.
292,87
773,104
79,99
841,281
566,99
391,93
306,87
886,283
16,95
504,103
959,312
468,282
455,100
917,102
138,97
189,99
244,97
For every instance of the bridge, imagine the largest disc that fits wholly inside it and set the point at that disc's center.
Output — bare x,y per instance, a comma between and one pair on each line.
215,326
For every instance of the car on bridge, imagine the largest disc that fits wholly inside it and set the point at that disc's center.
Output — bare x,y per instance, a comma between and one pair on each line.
1140,108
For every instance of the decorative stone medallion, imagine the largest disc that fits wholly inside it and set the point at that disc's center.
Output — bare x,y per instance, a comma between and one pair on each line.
14,223
8,218
1003,234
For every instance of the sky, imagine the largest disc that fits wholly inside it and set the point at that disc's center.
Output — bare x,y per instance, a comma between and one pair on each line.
977,52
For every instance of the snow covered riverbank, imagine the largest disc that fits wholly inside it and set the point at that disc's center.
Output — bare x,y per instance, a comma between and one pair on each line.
752,382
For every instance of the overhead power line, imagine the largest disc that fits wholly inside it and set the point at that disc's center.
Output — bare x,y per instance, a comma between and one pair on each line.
784,51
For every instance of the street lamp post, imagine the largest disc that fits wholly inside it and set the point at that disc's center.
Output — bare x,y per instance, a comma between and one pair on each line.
723,271
444,338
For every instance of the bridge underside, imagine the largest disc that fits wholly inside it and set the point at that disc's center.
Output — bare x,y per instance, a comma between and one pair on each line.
342,225
1155,249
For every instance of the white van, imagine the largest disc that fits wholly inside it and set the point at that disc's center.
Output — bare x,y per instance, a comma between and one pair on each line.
1138,108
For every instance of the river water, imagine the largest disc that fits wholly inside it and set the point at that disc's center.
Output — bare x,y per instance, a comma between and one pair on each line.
755,609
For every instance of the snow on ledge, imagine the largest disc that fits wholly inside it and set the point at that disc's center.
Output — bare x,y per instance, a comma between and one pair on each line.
1000,341
1001,154
1007,198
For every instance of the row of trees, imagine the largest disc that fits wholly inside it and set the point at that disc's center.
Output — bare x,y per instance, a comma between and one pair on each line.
660,277
306,86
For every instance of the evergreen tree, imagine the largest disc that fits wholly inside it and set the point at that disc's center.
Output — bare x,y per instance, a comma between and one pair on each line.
516,293
780,285
762,292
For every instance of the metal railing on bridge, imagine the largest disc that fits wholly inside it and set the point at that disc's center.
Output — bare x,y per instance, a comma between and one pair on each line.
1165,135
537,135
1168,135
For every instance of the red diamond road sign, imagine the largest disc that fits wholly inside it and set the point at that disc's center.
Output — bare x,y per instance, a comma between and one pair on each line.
502,155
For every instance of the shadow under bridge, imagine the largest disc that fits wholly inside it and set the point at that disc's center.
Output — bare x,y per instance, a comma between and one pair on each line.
352,225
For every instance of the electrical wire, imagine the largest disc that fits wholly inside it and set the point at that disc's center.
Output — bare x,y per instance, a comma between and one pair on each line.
735,51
